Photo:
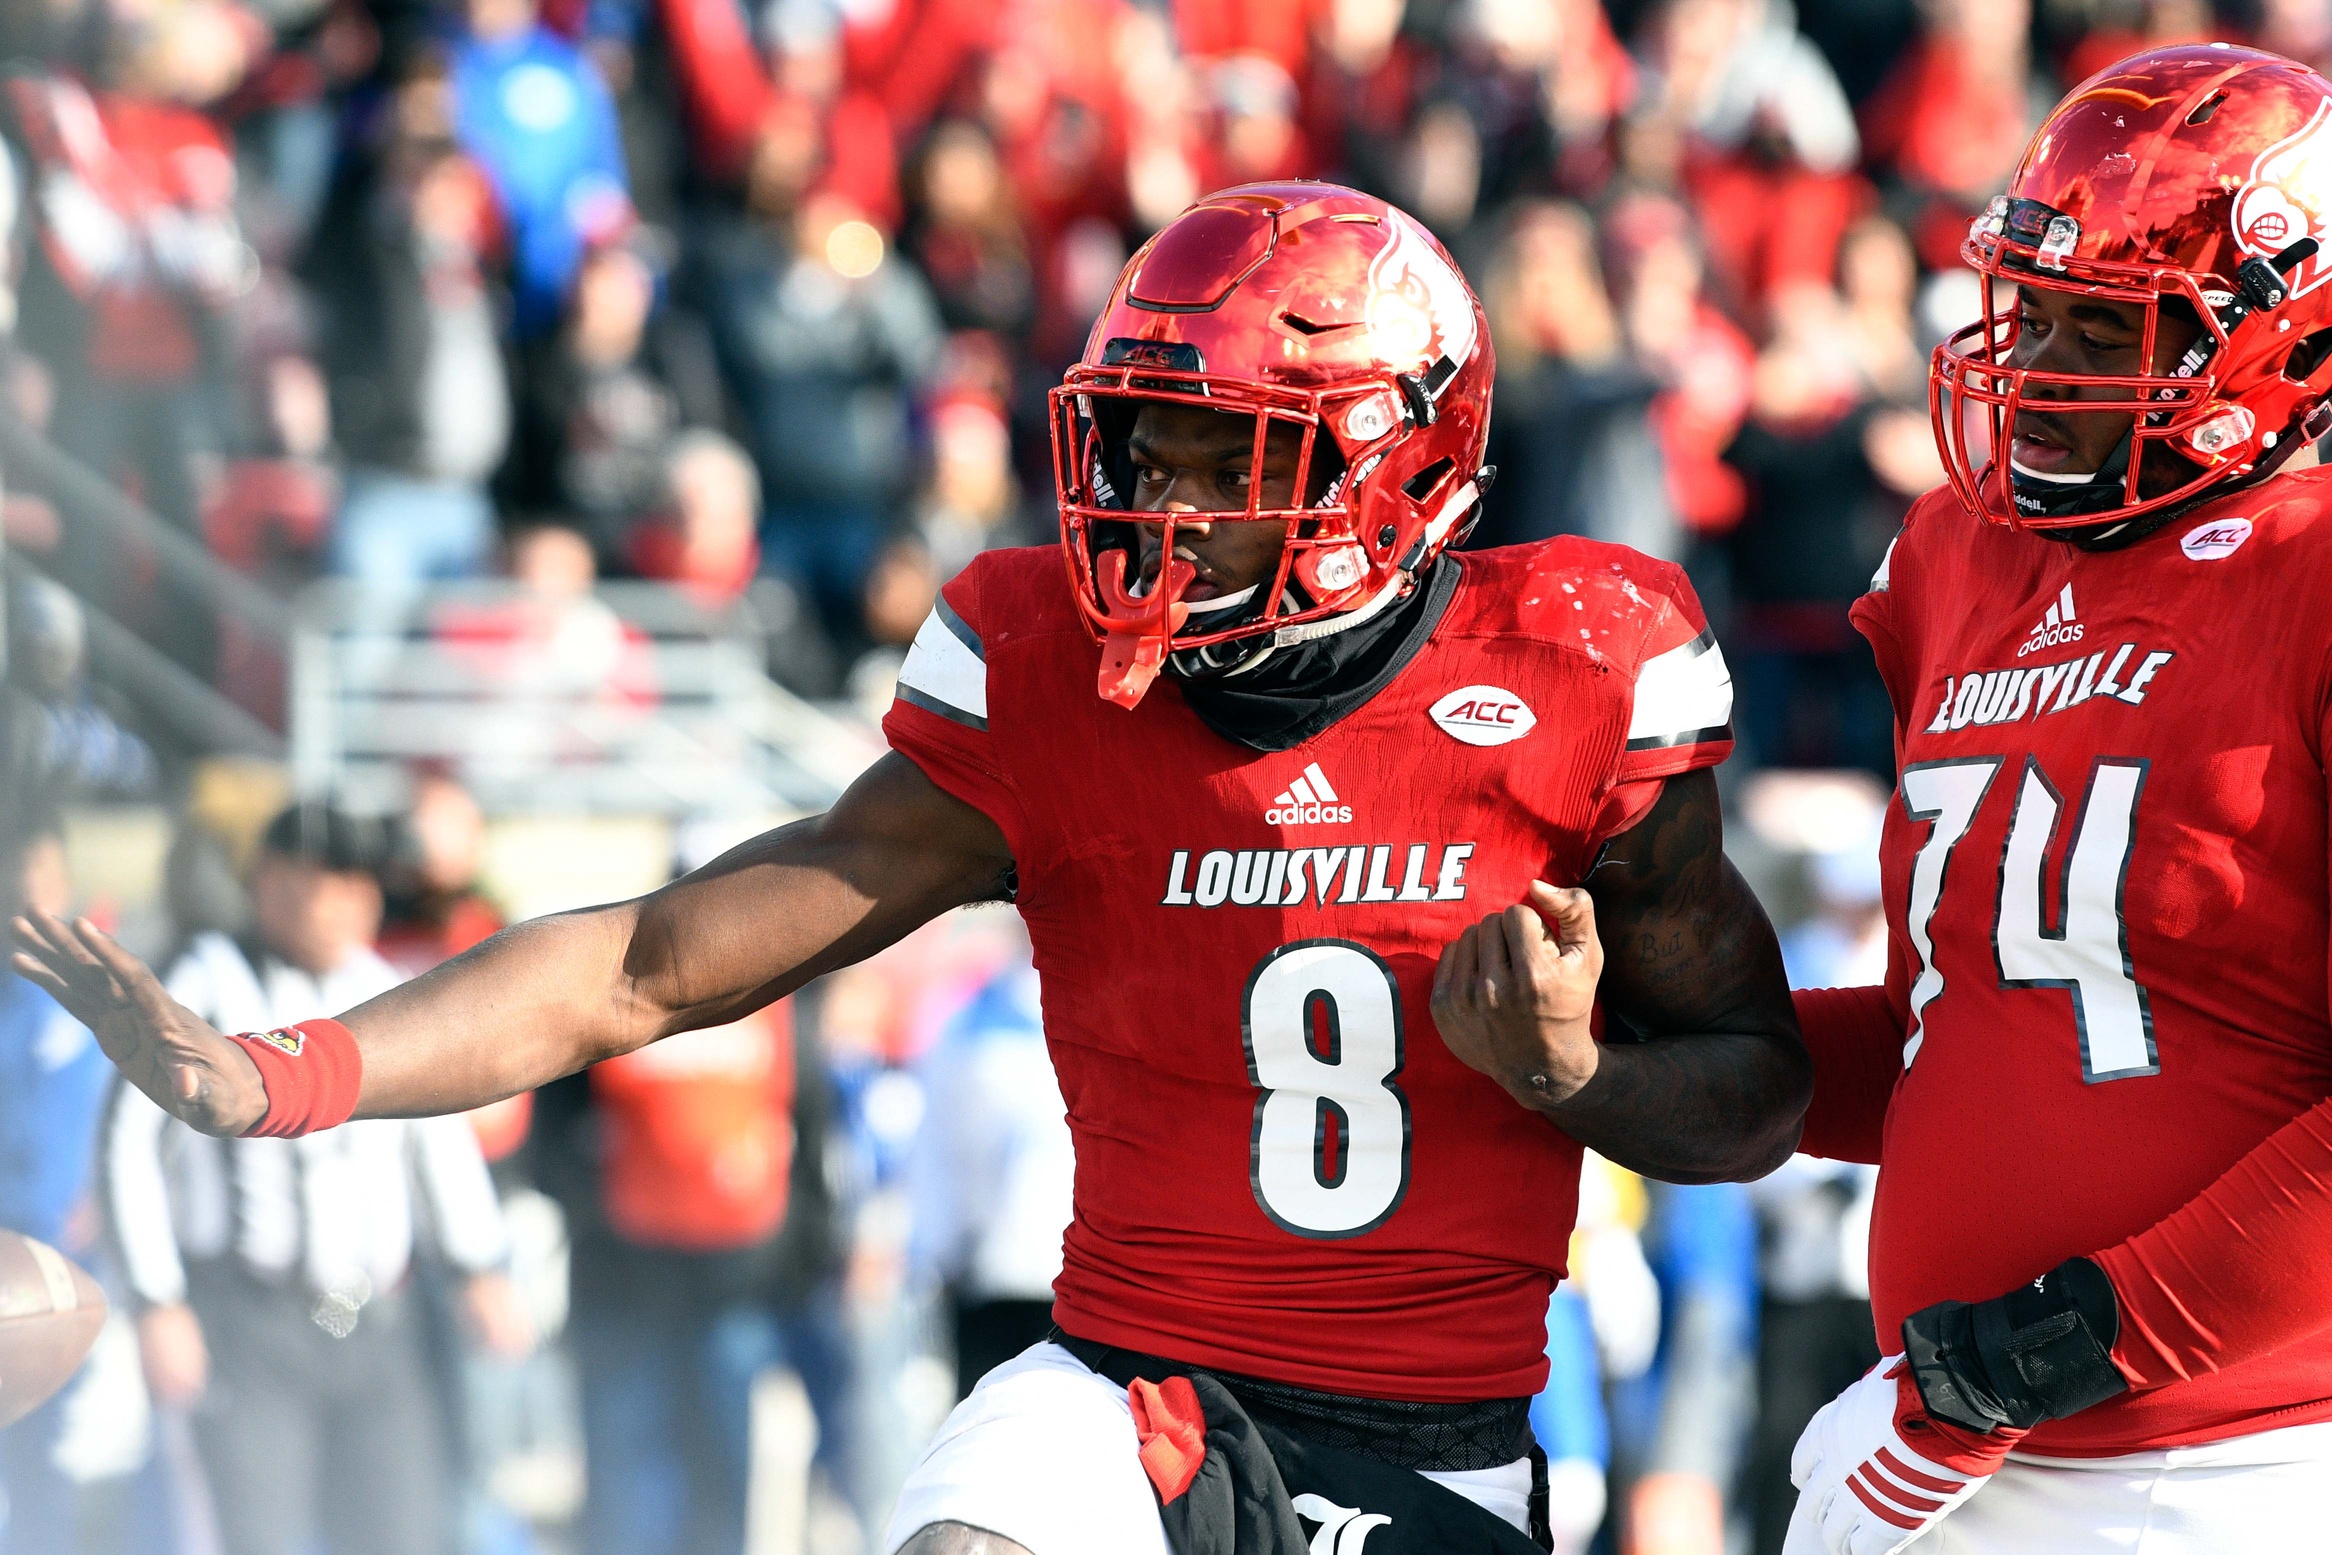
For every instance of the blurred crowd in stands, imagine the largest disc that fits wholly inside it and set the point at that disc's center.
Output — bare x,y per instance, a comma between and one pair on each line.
772,290
760,300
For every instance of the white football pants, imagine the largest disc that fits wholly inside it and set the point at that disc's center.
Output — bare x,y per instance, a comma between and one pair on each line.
2271,1492
1044,1453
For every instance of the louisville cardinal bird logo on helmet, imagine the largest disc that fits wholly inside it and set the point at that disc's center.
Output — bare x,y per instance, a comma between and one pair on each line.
2288,196
2192,181
1301,305
1418,307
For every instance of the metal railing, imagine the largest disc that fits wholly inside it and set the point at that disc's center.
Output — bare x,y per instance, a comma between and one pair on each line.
34,463
629,700
165,693
680,718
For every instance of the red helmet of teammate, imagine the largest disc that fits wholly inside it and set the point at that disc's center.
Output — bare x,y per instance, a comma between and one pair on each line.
2198,175
1304,305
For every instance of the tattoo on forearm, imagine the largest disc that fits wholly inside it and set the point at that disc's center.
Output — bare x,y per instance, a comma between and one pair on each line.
1686,945
1691,963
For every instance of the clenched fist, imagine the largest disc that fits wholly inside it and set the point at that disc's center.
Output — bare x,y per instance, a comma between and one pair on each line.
1513,1000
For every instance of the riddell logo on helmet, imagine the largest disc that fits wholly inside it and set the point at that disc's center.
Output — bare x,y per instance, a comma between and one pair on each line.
2287,197
2057,628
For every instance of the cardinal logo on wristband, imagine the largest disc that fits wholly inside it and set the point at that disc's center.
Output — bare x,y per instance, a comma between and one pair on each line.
312,1074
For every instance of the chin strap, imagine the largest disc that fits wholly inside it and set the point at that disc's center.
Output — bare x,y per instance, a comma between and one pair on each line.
1463,504
1234,655
1345,621
2114,537
1253,652
2039,495
1131,658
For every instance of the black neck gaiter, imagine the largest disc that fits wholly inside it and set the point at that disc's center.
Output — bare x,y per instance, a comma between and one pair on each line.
1299,691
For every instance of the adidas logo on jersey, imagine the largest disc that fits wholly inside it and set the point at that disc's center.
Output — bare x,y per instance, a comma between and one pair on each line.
2056,628
1309,801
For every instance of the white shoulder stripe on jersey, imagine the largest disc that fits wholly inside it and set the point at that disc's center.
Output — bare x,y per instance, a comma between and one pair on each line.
945,672
1683,696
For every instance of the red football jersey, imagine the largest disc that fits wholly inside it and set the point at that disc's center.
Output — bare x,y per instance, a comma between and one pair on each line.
2106,881
1281,1171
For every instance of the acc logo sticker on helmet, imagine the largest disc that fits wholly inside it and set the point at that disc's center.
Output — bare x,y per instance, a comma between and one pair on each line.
1483,715
2220,537
2288,197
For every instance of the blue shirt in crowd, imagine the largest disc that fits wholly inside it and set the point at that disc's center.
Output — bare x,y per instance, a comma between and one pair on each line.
537,117
52,1087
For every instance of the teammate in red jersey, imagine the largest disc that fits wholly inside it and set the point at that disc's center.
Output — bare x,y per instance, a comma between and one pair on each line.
1287,877
2096,1077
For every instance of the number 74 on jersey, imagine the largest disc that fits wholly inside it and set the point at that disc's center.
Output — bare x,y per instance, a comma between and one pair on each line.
2086,950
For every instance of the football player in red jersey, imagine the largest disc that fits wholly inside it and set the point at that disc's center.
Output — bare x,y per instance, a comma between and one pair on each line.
1288,877
2096,1078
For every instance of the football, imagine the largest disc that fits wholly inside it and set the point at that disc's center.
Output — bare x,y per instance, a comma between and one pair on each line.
50,1312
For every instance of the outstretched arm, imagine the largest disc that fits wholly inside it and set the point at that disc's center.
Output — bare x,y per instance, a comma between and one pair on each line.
548,997
1718,1086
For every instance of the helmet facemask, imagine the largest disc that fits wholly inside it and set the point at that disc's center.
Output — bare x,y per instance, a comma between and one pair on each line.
1320,582
2185,429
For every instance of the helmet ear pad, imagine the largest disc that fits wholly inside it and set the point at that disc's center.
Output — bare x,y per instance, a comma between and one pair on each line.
1400,498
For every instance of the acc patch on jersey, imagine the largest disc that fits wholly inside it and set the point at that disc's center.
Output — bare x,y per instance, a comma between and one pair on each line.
1483,715
2220,537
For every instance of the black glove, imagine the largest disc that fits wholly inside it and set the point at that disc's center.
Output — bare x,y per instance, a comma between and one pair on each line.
2041,1352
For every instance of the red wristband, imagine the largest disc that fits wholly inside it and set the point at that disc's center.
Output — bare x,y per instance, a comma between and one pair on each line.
311,1072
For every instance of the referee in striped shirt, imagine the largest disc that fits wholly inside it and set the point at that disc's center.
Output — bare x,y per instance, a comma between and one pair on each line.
269,1275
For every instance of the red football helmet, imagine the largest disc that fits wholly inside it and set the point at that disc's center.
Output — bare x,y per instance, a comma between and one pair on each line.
1301,304
2201,173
